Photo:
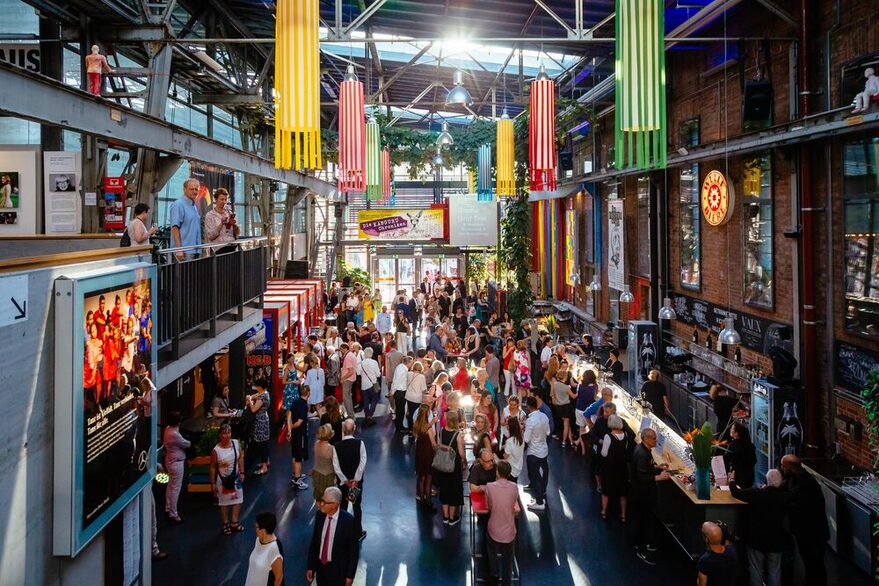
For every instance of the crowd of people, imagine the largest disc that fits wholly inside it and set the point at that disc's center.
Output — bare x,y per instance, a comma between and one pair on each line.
481,399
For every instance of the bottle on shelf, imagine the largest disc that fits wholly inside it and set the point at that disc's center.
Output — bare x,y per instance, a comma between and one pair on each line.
738,355
708,341
695,335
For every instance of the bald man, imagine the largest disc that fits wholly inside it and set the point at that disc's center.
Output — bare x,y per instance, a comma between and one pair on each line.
655,393
718,565
808,519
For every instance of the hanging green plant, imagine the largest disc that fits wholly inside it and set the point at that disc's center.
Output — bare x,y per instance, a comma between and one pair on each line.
515,256
870,394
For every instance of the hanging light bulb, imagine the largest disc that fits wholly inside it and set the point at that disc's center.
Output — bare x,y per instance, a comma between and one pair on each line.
350,74
505,115
541,75
729,335
667,311
438,159
595,285
459,94
444,138
627,296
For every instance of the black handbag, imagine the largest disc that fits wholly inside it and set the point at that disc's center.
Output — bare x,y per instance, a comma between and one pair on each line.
228,482
125,241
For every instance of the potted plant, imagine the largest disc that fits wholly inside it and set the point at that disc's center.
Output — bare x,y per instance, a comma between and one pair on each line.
702,444
551,324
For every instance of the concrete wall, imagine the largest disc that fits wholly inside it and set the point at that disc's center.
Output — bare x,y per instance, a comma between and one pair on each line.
16,248
26,449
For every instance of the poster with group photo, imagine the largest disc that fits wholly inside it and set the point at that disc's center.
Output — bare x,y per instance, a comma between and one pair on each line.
111,400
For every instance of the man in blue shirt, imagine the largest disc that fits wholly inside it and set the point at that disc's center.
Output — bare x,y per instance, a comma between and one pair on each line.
592,410
186,220
545,409
435,343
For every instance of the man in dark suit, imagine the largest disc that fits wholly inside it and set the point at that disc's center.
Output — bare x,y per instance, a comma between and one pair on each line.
334,552
349,463
807,518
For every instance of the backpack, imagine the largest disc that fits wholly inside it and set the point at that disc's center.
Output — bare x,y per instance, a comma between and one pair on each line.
444,456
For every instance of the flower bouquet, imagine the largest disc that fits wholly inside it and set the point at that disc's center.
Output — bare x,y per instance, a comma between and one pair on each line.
702,445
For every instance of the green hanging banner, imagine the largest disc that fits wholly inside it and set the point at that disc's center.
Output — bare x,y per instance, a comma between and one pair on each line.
640,84
373,161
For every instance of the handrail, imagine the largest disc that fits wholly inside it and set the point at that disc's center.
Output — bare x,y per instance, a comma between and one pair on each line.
214,245
25,263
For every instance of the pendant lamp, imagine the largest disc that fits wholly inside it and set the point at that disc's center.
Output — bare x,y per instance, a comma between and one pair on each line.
444,138
352,134
729,335
667,311
438,158
373,161
595,285
297,85
541,135
483,173
640,113
627,296
458,94
506,156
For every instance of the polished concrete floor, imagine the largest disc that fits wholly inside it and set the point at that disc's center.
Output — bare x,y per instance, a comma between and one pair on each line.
566,544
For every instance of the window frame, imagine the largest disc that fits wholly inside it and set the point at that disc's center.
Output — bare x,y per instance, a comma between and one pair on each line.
766,203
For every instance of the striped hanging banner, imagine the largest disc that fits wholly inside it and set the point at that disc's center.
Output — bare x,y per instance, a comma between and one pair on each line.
506,158
640,114
540,220
471,182
352,137
373,162
297,85
483,173
541,136
387,189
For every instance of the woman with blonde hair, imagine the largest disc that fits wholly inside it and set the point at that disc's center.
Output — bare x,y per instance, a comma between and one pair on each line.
425,441
451,484
323,475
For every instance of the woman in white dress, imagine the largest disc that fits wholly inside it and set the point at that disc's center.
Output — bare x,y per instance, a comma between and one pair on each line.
227,476
266,563
315,379
514,448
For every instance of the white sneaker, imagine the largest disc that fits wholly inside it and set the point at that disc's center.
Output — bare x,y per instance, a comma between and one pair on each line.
535,506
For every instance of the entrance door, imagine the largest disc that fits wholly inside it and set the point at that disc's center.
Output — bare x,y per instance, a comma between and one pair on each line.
386,278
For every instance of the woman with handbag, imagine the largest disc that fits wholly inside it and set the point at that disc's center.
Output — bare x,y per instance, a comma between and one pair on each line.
425,442
227,476
447,462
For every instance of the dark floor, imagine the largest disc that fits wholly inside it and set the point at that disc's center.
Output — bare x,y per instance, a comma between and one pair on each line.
566,544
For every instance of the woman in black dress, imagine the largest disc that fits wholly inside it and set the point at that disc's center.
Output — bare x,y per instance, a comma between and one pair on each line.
425,440
741,456
333,416
451,484
616,449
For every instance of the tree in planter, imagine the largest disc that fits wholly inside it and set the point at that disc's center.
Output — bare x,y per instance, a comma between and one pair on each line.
515,256
870,395
477,268
357,275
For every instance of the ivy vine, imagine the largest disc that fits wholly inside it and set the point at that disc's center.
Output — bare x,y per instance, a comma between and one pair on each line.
514,255
870,394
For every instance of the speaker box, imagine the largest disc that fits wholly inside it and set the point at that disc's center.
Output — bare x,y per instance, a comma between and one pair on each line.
296,269
566,161
757,101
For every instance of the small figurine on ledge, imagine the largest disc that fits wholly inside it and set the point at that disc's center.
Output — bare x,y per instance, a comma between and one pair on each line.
96,64
871,88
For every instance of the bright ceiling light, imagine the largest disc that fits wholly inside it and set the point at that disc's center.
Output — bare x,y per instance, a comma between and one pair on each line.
459,94
438,158
444,138
350,74
667,311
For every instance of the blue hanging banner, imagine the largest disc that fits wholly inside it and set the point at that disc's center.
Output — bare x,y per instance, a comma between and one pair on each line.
483,173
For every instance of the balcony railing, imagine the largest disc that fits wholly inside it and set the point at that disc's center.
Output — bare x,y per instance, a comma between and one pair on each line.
198,290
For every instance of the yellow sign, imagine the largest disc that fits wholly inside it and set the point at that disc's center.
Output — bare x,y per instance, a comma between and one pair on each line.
401,224
718,199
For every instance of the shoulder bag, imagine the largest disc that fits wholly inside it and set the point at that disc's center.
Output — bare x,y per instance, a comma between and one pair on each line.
228,482
444,456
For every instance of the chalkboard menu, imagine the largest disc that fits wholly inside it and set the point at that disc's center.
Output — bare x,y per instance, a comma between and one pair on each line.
853,364
758,333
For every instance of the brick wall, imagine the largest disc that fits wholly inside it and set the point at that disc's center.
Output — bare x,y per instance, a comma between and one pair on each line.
855,451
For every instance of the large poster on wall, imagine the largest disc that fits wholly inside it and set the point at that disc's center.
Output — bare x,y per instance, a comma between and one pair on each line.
472,222
18,190
105,362
61,178
400,224
570,246
616,243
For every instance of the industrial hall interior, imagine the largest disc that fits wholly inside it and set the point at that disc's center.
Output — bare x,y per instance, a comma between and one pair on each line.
439,292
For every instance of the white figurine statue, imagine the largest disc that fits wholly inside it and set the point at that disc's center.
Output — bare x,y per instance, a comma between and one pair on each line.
871,88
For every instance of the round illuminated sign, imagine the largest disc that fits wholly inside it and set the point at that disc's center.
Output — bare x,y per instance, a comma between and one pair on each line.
717,199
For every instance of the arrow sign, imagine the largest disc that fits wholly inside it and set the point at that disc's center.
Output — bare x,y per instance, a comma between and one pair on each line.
13,300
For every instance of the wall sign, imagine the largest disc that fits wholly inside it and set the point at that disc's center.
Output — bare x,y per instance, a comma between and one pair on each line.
401,224
616,243
853,364
718,199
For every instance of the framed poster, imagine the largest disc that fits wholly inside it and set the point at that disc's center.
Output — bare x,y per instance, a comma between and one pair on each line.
19,197
105,434
61,177
616,245
401,224
472,222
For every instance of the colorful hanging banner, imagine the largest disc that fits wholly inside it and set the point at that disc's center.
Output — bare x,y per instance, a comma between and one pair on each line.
352,137
373,162
387,188
401,224
550,244
483,173
542,158
571,273
506,158
297,85
616,243
640,84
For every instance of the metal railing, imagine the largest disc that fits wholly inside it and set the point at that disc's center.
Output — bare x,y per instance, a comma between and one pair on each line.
210,281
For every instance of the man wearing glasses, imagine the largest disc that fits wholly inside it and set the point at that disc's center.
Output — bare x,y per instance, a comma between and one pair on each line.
334,550
482,471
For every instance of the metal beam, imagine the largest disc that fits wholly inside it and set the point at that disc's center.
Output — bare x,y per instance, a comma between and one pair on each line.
556,17
40,99
363,17
142,33
482,40
779,12
399,72
229,99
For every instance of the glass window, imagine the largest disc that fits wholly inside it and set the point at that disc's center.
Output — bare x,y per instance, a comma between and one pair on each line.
861,217
690,229
757,260
643,261
588,231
